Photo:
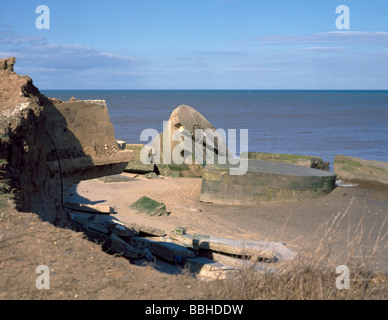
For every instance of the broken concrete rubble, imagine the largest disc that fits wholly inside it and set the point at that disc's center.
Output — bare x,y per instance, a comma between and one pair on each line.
95,230
207,257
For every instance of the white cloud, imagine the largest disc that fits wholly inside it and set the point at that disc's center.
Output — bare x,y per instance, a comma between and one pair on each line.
10,37
323,49
334,37
31,50
69,65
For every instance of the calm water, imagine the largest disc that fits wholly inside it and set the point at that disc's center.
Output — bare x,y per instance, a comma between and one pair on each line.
320,123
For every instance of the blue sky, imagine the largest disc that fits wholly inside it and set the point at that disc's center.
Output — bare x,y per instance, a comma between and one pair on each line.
198,44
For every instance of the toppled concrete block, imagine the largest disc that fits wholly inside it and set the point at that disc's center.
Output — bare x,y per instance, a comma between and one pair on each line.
181,150
149,206
367,172
298,160
93,208
264,181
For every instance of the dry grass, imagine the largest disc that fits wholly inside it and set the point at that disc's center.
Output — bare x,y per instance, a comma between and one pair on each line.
312,276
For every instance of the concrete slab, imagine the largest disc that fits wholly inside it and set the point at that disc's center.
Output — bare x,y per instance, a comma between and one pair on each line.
92,208
295,159
268,250
115,178
264,181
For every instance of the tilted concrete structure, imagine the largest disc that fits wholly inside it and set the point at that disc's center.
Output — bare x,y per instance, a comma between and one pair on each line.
186,124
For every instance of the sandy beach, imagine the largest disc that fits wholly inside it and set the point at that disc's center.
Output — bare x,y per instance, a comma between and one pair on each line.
350,221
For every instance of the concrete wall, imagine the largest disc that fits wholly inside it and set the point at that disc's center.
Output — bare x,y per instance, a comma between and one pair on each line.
81,135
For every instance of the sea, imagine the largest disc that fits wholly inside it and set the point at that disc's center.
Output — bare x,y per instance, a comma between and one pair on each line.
317,123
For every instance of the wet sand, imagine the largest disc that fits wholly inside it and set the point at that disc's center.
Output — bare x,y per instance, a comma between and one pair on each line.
350,220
